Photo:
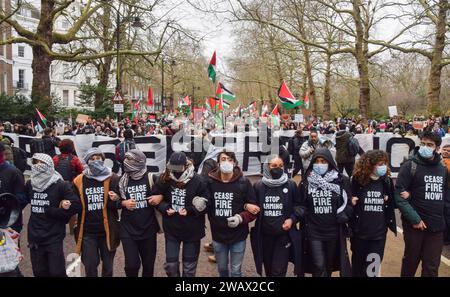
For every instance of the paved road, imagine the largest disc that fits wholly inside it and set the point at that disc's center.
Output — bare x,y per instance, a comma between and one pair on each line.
391,263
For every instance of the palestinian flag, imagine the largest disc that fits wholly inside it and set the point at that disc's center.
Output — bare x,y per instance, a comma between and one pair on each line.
224,93
287,99
212,102
223,105
212,68
186,101
264,110
41,121
149,96
135,114
275,111
306,101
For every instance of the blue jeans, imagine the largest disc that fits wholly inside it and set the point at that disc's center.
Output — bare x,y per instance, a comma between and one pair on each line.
236,256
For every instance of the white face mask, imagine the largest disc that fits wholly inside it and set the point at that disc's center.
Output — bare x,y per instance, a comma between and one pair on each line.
226,167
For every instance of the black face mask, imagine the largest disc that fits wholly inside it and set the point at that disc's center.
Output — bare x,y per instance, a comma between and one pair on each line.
177,174
276,173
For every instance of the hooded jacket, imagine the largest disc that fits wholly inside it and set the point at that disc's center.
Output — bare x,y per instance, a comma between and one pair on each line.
342,153
185,228
227,200
429,193
336,230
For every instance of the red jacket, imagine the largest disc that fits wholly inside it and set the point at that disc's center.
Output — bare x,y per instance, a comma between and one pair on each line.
75,162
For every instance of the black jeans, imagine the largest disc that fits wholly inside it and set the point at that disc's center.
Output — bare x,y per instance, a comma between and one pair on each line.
276,254
94,248
347,166
191,250
421,246
360,251
323,256
137,252
48,260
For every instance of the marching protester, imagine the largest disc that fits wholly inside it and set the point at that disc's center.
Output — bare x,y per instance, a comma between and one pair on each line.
46,144
344,157
12,181
295,143
123,147
310,146
326,208
138,224
275,236
66,163
183,208
97,230
374,210
423,198
53,203
232,206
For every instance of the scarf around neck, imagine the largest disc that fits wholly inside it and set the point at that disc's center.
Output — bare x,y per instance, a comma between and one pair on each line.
316,181
43,175
269,181
134,167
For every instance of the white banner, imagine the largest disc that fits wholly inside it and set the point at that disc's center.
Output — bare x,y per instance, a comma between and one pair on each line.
251,148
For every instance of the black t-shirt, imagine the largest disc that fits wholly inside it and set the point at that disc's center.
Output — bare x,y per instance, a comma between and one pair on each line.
370,211
141,222
185,228
227,200
322,207
94,201
276,207
47,222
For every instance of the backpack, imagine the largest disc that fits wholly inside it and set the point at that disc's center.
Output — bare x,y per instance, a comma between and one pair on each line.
10,255
37,146
353,146
64,168
20,158
124,147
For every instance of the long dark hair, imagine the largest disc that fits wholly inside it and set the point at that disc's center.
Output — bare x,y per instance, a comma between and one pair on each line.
365,165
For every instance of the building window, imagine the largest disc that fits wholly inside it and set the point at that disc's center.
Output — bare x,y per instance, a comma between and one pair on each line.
66,97
21,51
65,24
21,81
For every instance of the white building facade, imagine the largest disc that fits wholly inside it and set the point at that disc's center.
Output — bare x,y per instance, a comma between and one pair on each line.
65,77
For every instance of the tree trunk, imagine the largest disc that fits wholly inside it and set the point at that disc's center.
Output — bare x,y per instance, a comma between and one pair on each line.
104,67
103,79
326,90
434,77
311,87
362,60
40,91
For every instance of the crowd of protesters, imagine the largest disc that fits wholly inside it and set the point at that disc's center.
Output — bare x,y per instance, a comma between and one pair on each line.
305,222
